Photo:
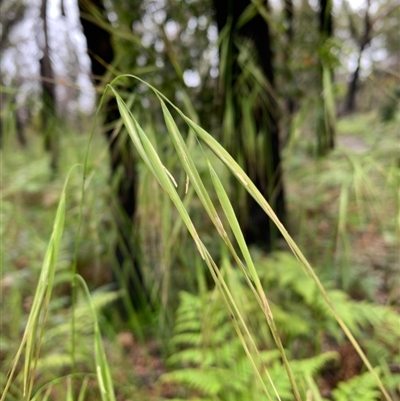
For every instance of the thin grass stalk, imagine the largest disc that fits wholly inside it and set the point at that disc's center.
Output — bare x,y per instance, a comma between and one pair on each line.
47,394
162,204
342,235
70,396
234,224
30,341
362,181
167,259
82,391
86,179
93,15
172,56
358,196
102,368
326,120
251,73
77,235
329,100
225,69
234,310
171,234
49,385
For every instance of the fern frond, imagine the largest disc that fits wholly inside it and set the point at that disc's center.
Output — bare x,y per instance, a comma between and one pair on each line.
359,388
205,381
188,357
311,366
183,338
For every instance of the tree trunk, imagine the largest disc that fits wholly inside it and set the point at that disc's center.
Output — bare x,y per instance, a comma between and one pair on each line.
366,38
48,93
289,101
350,106
325,119
325,18
128,275
265,171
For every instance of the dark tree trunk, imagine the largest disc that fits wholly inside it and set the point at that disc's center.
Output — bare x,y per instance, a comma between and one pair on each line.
350,106
128,275
256,225
325,18
48,93
325,124
366,38
290,101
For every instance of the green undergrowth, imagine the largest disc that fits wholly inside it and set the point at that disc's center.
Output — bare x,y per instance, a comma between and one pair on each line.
345,208
207,359
254,326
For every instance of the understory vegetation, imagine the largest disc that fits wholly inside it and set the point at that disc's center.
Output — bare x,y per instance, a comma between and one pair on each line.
252,325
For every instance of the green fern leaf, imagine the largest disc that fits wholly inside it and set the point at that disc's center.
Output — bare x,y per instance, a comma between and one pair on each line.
359,388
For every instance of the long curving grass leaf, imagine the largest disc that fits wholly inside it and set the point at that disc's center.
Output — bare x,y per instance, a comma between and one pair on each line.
32,336
102,368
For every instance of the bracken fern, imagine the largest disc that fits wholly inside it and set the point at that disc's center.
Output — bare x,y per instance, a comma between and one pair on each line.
208,359
359,388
